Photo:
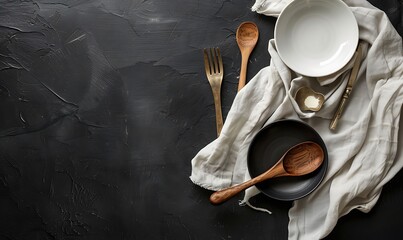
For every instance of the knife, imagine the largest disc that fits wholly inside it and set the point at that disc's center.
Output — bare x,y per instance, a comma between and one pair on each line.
349,87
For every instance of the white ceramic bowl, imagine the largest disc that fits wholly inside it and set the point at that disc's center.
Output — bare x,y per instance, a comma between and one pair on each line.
316,37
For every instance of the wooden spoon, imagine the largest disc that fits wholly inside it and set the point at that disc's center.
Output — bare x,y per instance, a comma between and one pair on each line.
247,35
299,160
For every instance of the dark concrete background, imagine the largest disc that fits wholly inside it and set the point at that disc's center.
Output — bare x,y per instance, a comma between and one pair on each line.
104,103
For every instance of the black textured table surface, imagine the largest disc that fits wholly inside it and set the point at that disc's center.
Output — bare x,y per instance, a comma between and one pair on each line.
104,103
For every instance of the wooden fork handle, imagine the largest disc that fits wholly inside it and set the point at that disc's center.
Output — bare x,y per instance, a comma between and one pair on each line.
218,111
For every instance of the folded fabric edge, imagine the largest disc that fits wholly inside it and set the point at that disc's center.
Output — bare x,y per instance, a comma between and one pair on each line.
258,4
269,7
203,185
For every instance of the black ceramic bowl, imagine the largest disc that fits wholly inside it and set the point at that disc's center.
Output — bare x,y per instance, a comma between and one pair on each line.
269,145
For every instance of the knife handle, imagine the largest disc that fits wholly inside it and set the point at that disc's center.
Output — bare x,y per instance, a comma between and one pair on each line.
337,114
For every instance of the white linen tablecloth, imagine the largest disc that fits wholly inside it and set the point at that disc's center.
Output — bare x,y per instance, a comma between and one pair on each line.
362,151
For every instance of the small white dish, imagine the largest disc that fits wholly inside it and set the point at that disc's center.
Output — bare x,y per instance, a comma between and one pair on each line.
316,37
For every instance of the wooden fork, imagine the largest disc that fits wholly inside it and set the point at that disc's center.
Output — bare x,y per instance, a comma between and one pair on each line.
215,72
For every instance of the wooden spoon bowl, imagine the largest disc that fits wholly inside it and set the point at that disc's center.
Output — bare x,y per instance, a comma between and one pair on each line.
247,35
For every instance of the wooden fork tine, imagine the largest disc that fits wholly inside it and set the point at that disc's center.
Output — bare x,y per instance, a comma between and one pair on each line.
214,71
215,54
214,60
207,62
220,64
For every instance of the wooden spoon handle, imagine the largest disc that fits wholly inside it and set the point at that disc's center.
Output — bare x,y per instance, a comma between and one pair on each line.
225,194
242,74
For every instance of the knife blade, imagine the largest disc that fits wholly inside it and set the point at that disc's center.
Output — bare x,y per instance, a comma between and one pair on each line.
349,87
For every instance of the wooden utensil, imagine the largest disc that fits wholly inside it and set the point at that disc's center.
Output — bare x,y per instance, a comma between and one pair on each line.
247,35
215,72
299,160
